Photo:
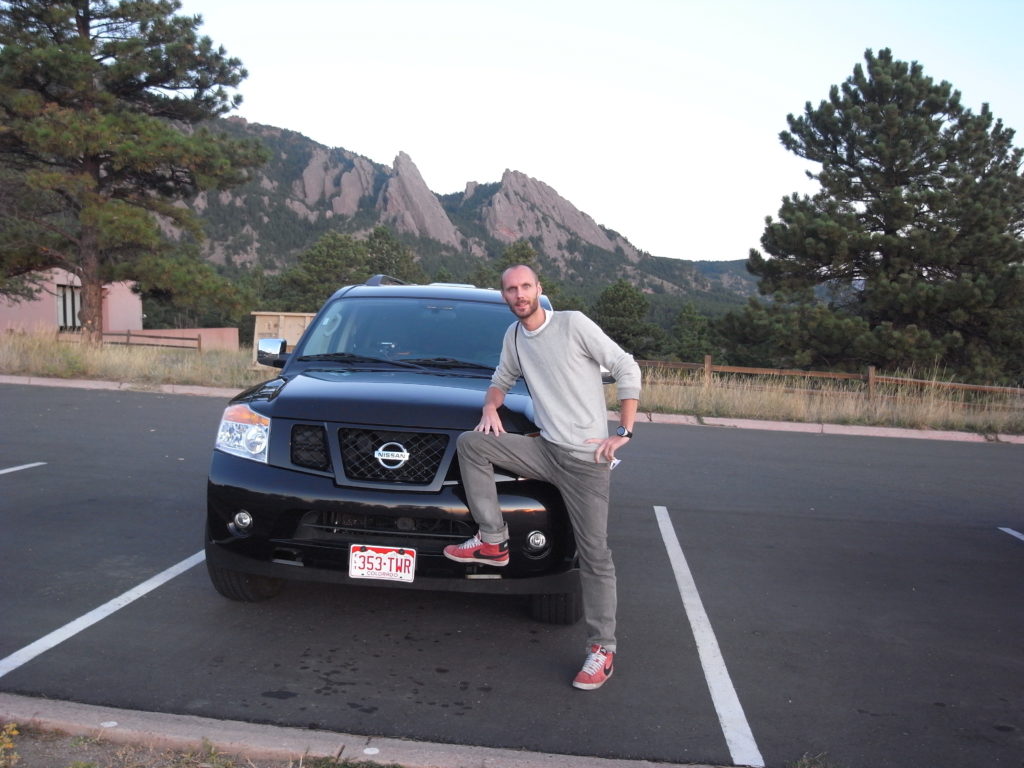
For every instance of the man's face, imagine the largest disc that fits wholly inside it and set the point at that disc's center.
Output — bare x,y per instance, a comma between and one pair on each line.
522,292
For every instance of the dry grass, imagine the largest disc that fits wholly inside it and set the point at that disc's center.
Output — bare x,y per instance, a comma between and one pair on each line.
665,390
50,749
830,402
24,354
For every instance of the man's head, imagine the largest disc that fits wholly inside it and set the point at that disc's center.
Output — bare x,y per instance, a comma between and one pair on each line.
521,289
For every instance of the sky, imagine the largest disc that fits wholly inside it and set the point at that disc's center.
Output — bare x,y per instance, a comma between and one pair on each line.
658,118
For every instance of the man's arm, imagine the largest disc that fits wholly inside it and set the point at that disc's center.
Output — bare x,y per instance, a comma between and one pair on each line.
490,421
627,417
627,413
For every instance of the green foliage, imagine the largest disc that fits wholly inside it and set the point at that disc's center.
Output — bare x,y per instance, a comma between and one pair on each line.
621,310
799,335
484,275
691,335
914,238
386,255
94,97
519,252
335,260
181,290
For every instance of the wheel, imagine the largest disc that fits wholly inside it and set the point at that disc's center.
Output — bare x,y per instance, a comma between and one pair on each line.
557,608
244,587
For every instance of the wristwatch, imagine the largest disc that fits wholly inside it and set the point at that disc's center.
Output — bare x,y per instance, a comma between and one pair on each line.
623,432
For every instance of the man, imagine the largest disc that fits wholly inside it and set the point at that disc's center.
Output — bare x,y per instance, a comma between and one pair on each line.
560,355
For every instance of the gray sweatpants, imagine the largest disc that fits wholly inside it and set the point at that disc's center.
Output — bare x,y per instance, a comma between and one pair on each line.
584,486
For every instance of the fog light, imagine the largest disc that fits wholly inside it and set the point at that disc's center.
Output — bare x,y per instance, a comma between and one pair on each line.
243,520
536,541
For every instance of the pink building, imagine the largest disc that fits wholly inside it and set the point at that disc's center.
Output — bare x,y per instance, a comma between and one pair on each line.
56,307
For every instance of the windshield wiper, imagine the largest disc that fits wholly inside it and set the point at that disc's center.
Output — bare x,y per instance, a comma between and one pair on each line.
450,362
348,357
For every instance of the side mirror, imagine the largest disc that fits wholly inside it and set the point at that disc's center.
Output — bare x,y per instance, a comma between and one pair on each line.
271,352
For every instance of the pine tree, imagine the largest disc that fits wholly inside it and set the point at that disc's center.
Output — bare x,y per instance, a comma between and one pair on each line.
691,335
388,256
335,260
621,311
102,106
916,230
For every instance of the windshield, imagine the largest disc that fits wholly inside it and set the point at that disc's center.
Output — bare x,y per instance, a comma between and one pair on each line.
424,331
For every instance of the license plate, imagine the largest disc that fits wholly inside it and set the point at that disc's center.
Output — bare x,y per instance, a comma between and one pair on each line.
387,563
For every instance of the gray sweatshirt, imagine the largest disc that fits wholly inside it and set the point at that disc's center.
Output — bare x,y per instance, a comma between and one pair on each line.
561,363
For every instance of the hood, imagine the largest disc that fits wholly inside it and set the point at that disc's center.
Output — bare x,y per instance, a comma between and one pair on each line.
399,399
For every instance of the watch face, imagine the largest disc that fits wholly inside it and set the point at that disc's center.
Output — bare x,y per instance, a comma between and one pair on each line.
622,432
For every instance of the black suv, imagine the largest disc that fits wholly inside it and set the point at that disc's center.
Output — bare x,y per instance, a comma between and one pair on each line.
344,469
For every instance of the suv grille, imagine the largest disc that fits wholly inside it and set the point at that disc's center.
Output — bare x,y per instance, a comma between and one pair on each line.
345,525
425,453
309,447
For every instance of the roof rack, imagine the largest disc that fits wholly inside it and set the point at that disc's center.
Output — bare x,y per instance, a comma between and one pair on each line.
384,280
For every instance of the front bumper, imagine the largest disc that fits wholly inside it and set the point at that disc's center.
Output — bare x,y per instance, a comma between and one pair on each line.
303,525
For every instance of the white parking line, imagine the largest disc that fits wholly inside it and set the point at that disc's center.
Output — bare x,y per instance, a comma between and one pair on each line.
23,466
1013,533
735,728
72,628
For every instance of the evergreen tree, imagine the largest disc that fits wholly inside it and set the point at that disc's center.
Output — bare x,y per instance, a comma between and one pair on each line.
101,112
484,275
519,252
388,256
335,260
621,310
691,335
187,292
915,232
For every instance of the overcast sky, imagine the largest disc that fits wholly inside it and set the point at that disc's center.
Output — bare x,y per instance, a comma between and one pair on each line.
659,118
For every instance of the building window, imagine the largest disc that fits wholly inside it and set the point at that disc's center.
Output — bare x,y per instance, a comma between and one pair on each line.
69,302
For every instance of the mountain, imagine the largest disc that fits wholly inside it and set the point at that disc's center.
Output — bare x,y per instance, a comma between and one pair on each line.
308,189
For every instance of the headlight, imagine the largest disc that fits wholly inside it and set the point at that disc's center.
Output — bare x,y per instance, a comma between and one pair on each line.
243,432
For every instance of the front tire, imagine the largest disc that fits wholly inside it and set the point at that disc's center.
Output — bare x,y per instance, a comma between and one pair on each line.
557,608
243,587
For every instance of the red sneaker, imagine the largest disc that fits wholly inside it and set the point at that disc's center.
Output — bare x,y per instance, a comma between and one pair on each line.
596,669
476,551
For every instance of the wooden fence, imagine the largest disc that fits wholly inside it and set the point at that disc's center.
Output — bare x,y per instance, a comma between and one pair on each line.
127,338
154,340
870,378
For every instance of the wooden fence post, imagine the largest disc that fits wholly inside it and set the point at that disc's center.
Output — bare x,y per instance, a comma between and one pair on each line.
707,371
871,382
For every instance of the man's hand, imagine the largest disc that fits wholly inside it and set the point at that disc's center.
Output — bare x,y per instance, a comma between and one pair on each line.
606,448
490,422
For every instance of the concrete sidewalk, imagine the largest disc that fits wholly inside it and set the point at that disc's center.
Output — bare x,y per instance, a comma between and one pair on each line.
187,733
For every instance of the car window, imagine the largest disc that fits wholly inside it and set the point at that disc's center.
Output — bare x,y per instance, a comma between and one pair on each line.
397,328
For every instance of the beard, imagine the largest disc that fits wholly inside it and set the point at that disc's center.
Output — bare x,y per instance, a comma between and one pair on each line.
525,309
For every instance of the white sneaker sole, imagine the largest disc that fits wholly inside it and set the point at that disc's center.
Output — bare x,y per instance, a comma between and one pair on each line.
478,560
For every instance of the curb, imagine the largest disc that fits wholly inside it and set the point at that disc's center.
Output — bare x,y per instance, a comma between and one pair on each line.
823,429
188,733
165,389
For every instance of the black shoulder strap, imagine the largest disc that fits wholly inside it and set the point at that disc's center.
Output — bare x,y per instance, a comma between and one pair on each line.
522,373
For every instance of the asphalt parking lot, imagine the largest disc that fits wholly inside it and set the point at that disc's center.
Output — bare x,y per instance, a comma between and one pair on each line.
780,595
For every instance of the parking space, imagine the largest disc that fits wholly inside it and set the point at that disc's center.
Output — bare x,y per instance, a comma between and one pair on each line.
861,594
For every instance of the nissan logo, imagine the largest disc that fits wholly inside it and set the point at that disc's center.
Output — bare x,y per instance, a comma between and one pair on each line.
391,455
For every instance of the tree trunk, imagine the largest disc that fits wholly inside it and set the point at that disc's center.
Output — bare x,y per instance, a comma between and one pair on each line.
91,313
